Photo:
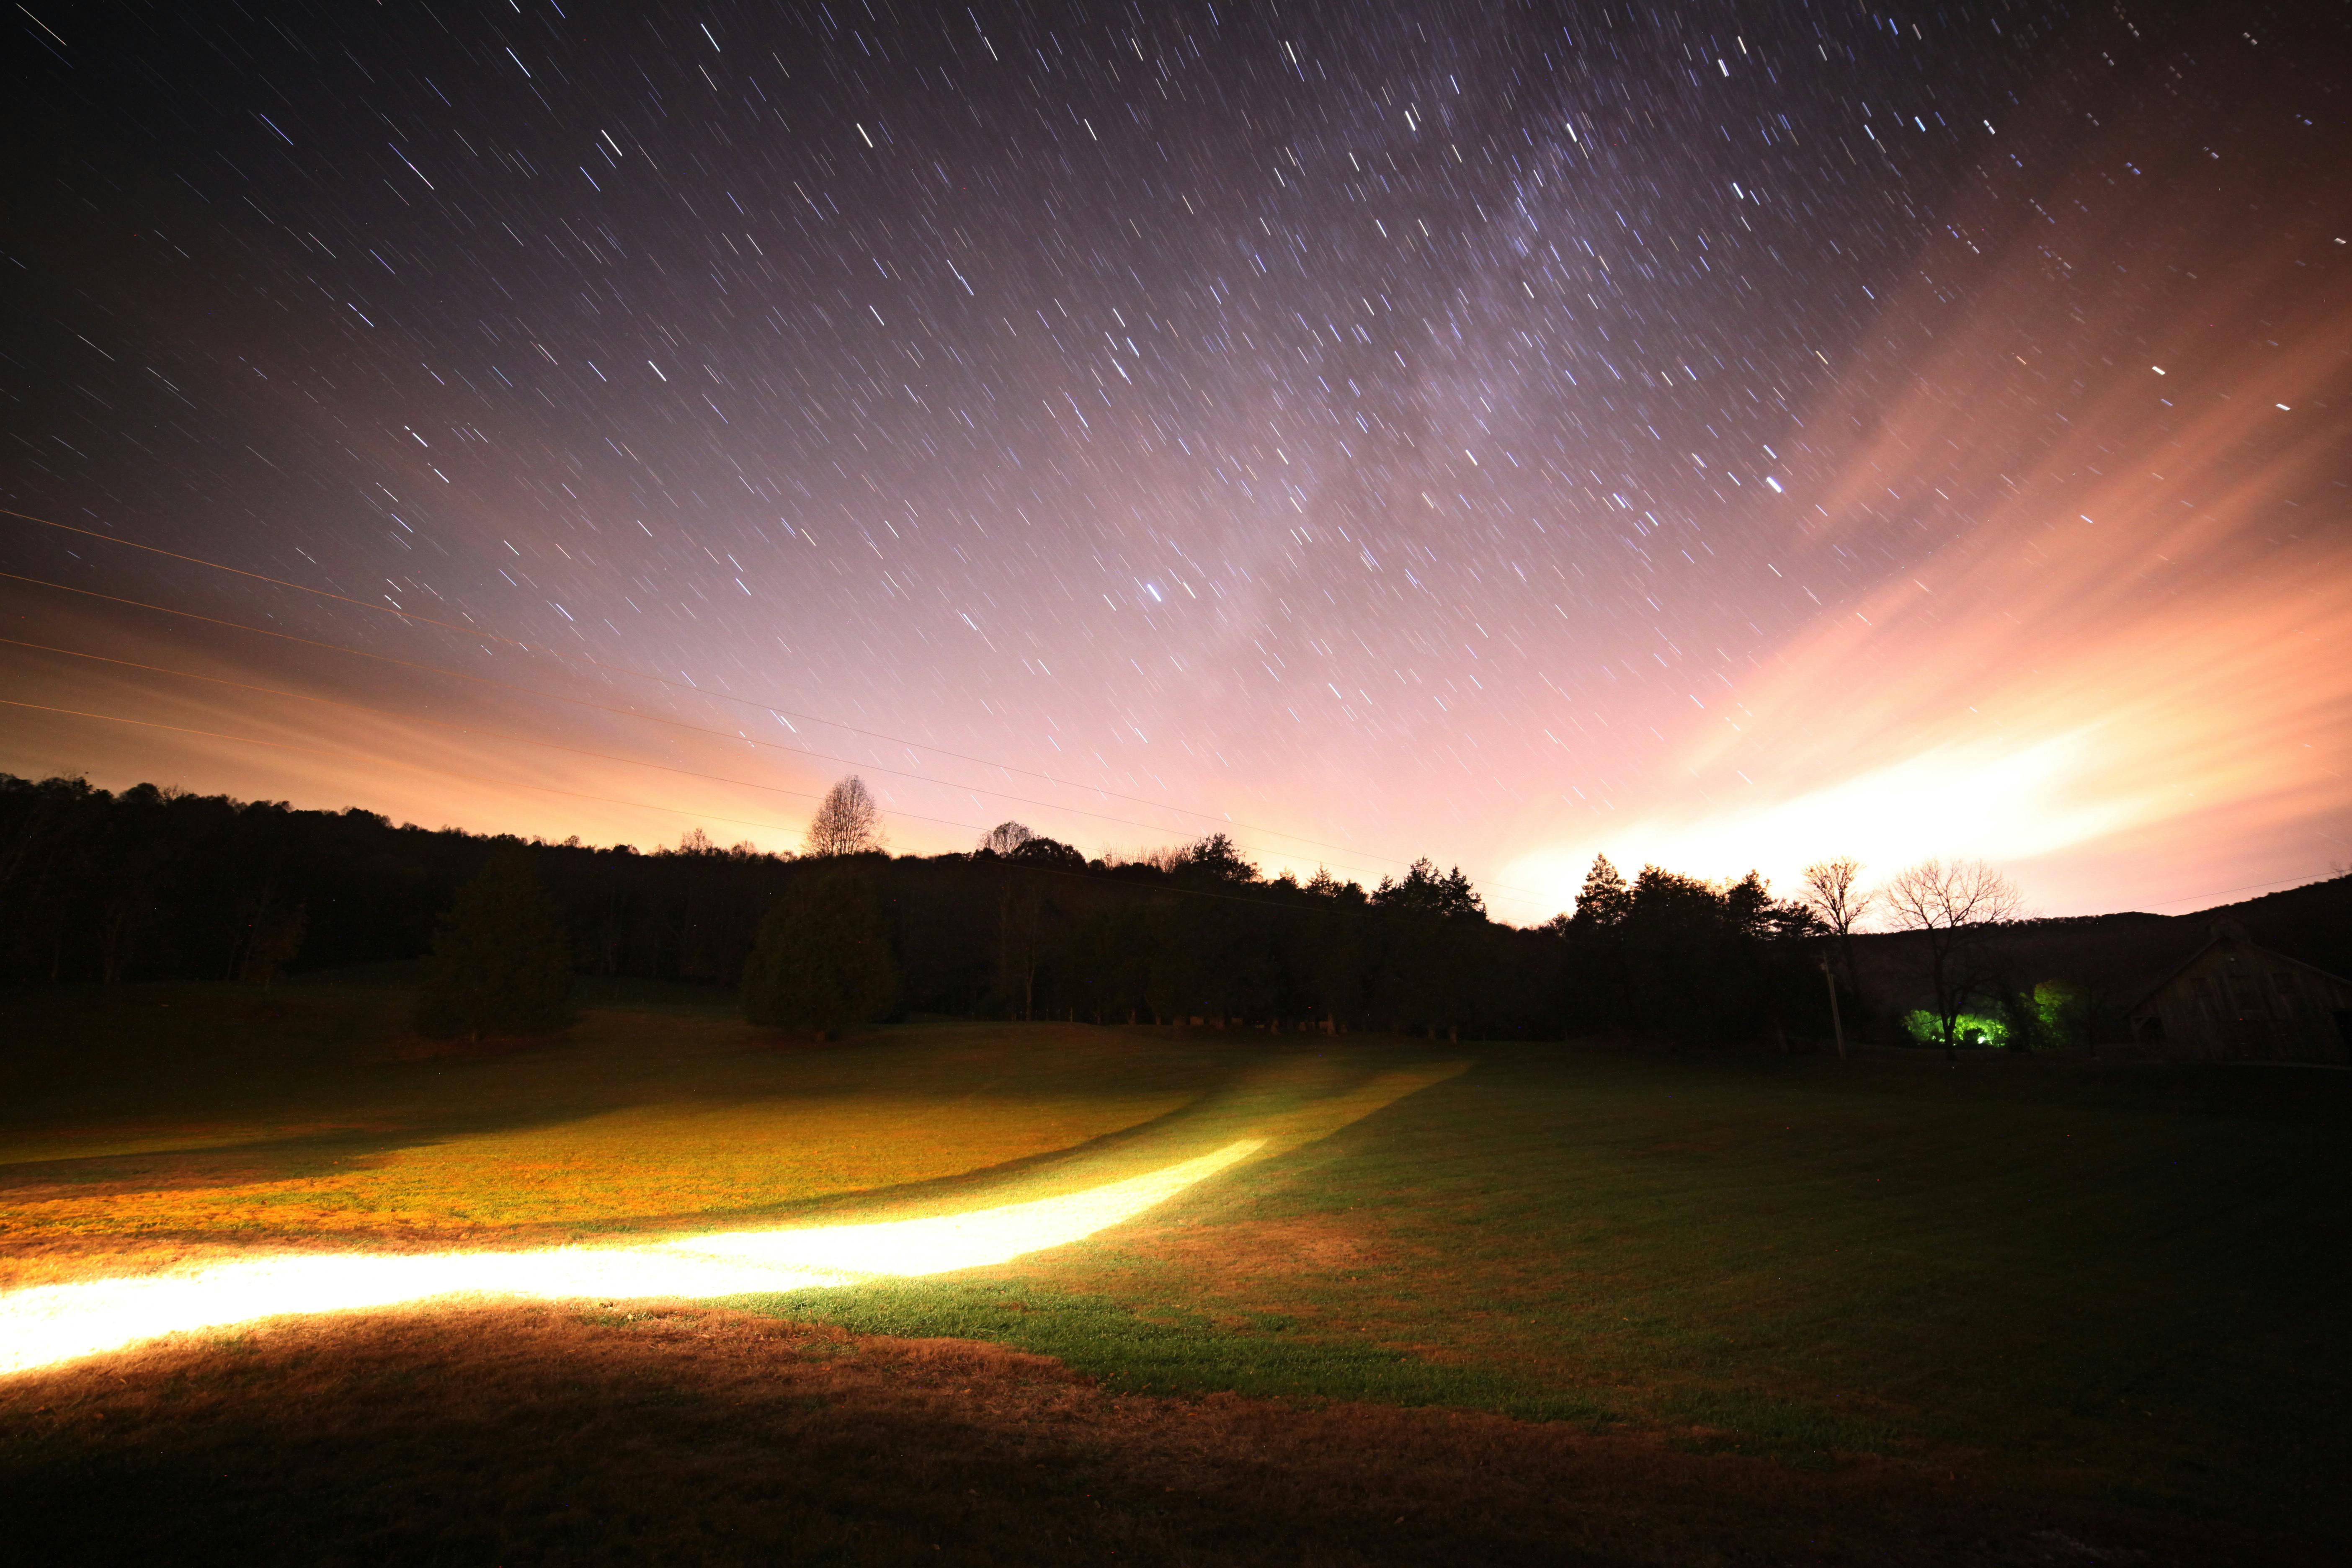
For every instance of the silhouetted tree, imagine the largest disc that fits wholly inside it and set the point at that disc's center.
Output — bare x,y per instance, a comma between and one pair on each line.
1424,892
848,821
1677,957
500,963
1679,954
1597,988
1005,837
1215,859
822,958
1020,914
1833,891
158,883
1333,977
1604,899
1173,946
1051,854
1430,972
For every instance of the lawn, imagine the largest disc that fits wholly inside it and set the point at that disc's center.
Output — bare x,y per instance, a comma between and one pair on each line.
178,1123
2019,1292
2131,1280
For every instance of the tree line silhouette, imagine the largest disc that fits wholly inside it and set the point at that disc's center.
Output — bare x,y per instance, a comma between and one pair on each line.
152,884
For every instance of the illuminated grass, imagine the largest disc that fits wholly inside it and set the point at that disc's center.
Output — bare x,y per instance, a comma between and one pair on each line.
672,1122
49,1325
2125,1284
665,1161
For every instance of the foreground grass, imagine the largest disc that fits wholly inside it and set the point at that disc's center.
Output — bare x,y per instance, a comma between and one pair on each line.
662,1433
2126,1284
2070,1288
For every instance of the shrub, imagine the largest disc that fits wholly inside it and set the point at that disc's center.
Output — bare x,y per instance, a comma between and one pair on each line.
1971,1031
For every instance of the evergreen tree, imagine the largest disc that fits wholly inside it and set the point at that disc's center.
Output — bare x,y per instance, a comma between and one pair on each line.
500,963
1604,900
822,959
1425,893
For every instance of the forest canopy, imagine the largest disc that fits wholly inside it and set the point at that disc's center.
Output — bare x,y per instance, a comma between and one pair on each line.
154,883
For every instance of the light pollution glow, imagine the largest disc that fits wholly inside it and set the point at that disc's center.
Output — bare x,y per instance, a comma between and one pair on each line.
2054,564
2131,677
45,1325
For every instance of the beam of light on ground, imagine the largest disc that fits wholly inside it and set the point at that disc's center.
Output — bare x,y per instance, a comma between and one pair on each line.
47,1324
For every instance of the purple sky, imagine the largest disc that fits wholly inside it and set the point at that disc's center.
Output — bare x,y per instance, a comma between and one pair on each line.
1729,436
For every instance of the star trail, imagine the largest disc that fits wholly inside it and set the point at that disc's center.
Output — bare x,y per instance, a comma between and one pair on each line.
1719,435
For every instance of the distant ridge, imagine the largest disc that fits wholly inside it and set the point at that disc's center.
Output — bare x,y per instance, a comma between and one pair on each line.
2313,922
2124,954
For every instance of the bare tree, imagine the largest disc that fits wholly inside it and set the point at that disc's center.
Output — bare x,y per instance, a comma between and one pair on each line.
1171,858
1951,906
848,821
1005,837
1834,890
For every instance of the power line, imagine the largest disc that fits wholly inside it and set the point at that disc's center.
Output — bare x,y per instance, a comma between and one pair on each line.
439,772
2273,886
497,735
409,718
488,635
481,634
357,756
527,739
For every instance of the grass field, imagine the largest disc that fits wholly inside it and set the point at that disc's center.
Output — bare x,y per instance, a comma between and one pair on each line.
183,1123
1547,1301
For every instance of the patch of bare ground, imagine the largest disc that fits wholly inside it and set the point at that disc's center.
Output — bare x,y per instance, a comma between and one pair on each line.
534,1434
1250,1250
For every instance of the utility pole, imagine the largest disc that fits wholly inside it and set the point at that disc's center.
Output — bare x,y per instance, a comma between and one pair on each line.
1837,1024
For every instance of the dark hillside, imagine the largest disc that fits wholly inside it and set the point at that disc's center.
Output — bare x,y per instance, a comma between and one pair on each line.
2119,958
2313,922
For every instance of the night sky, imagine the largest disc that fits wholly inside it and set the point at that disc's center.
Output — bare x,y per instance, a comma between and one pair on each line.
1715,435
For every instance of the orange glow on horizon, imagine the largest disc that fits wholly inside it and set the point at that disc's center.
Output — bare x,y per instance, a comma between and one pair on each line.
2127,670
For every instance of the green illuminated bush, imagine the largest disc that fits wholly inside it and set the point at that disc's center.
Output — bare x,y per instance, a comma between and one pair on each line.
1972,1031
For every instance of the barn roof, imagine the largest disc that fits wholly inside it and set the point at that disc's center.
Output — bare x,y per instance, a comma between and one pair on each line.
2229,932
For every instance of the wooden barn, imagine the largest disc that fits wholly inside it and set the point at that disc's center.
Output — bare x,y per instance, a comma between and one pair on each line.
2234,1000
